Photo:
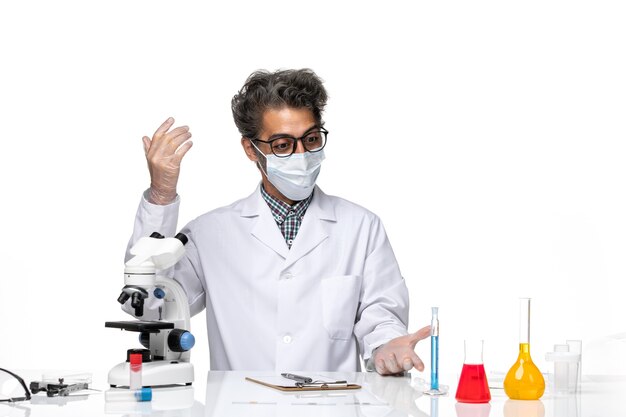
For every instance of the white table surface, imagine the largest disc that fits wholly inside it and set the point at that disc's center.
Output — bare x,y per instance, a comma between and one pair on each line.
229,394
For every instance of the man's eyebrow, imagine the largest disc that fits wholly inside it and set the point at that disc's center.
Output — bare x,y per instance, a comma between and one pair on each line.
286,135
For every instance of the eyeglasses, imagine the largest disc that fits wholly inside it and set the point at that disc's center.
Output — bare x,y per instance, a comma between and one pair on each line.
12,387
284,146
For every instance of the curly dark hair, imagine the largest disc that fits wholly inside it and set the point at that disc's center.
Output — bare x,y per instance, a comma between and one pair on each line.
265,90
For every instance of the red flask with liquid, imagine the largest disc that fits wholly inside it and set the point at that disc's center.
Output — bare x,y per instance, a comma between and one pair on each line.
473,386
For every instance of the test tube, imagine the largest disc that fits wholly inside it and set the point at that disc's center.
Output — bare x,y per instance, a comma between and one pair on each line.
576,346
135,371
561,369
434,350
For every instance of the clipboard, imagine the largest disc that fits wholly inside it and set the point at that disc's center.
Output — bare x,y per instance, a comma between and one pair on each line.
314,386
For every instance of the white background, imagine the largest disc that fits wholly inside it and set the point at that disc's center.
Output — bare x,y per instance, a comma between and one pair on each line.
487,135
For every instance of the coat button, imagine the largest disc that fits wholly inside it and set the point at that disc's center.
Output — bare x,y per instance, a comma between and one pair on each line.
287,338
287,275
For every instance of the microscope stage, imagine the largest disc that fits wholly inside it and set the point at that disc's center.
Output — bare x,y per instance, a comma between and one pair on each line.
140,326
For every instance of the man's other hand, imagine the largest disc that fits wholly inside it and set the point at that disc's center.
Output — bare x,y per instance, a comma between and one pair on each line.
398,355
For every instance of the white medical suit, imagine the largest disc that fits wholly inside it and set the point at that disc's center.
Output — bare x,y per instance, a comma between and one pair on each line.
335,294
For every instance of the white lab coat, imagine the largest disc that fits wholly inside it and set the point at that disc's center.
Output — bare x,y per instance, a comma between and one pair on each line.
335,294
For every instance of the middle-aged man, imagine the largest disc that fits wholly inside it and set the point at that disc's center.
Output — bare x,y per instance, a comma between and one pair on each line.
291,278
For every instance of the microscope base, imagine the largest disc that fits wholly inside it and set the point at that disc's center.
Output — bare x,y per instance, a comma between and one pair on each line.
154,374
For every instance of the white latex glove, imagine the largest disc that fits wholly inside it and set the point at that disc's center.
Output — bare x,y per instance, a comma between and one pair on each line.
398,355
164,152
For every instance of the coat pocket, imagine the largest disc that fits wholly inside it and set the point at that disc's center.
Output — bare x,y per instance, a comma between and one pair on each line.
340,300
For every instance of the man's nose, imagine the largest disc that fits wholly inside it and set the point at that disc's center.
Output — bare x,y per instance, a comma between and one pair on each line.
300,146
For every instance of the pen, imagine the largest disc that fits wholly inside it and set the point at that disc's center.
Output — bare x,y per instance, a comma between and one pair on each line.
323,385
298,378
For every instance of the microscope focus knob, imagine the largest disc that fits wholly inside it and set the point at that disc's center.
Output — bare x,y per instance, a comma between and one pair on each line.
144,339
180,340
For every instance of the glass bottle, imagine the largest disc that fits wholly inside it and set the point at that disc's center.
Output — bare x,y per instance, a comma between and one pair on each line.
473,386
524,380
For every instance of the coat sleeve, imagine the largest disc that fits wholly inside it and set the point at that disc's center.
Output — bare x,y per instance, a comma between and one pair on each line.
163,219
384,300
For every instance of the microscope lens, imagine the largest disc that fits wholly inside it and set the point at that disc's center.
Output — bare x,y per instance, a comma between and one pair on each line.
137,304
123,298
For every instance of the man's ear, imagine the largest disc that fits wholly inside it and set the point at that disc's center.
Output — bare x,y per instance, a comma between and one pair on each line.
249,149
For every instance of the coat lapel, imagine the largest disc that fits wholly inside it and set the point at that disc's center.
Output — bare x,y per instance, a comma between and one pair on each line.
264,226
314,229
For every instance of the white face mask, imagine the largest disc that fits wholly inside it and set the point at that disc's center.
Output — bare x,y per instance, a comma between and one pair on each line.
295,175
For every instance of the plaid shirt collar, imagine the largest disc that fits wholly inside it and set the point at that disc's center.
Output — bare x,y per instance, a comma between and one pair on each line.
280,210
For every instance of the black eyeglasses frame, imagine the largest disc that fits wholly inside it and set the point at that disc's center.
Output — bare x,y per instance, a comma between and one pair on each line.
295,141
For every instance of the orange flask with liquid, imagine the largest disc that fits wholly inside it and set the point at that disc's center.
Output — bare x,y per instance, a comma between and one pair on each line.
524,380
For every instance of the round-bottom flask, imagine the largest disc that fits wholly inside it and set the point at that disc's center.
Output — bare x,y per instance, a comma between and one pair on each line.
524,380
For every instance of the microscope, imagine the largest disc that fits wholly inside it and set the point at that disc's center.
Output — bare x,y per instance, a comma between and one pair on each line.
167,341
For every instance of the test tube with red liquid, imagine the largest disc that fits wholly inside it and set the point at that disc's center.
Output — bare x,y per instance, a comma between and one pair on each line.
135,371
473,386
